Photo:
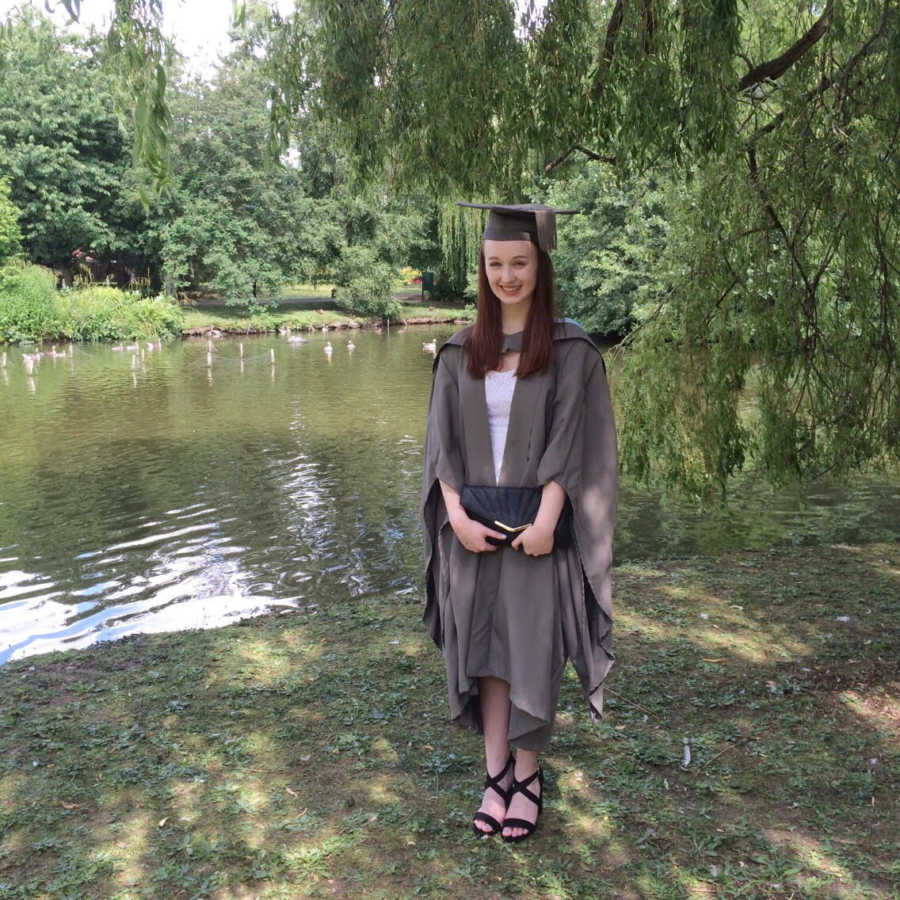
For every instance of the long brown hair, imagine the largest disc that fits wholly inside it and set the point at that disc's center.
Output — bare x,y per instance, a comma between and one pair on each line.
485,342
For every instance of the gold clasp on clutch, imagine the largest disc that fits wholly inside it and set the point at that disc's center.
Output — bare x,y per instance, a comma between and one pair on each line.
512,529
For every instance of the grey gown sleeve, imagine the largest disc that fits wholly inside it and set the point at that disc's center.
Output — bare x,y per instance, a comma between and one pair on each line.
561,459
443,462
443,440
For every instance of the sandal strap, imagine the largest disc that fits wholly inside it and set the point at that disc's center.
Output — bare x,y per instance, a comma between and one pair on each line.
493,782
488,820
521,787
519,823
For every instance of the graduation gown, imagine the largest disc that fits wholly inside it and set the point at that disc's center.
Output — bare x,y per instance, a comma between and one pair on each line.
503,613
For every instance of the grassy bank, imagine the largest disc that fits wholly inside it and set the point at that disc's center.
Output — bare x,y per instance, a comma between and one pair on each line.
309,755
31,309
200,318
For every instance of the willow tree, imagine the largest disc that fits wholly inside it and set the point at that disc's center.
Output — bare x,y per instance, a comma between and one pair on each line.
779,120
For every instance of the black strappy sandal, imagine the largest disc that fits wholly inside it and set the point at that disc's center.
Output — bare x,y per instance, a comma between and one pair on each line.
494,785
521,787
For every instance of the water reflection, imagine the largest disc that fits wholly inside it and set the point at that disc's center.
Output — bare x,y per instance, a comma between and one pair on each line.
185,490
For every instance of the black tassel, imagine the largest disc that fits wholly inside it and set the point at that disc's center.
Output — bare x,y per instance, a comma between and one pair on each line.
546,229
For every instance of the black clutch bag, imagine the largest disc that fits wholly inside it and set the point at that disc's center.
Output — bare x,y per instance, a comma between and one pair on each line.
511,510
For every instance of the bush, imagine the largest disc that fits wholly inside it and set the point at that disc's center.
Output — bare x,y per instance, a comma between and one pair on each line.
364,284
157,316
262,321
28,303
31,308
10,234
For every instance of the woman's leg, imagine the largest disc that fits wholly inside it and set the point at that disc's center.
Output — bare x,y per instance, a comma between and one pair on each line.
520,807
494,698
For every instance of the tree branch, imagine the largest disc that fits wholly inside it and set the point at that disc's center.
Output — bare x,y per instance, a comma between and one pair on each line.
648,26
828,81
775,68
577,148
773,216
609,48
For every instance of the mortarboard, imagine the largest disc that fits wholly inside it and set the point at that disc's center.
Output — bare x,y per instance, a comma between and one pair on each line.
521,222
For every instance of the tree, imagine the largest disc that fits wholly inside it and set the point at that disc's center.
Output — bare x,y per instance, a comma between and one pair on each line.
233,220
782,126
608,259
63,150
10,235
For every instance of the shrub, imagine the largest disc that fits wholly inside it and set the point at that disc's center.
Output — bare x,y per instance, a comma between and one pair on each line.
364,284
10,234
28,302
103,313
157,316
262,321
31,308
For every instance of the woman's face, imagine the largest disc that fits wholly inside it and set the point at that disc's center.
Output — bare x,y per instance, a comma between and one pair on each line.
511,268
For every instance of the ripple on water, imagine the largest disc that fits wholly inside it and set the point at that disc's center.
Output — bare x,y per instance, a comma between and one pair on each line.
172,497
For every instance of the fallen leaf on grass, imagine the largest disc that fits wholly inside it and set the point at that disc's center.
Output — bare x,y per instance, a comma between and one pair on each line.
69,805
162,822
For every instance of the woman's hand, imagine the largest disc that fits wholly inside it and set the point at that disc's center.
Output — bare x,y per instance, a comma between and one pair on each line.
536,540
471,534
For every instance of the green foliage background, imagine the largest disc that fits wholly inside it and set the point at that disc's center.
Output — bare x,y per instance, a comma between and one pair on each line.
756,232
10,233
740,192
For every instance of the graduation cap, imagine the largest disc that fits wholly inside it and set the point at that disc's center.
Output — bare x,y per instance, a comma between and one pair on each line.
521,222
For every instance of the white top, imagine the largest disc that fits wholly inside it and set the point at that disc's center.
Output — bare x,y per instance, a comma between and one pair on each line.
498,393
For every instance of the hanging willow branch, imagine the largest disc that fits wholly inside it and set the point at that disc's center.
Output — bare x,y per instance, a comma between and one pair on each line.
776,67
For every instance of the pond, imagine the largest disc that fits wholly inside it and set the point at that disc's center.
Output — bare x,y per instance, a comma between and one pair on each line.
145,490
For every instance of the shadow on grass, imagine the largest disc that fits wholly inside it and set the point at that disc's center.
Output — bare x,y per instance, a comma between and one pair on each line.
309,754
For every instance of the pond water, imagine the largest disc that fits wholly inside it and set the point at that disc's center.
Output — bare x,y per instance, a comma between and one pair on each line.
147,491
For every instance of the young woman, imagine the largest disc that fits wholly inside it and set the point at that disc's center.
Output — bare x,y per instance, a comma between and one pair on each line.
519,401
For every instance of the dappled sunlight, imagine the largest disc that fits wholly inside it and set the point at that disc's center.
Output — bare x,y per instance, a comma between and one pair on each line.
317,758
593,828
129,844
263,746
13,841
718,624
617,853
808,850
883,718
384,751
380,789
311,860
411,648
268,662
640,570
748,647
188,798
12,787
574,781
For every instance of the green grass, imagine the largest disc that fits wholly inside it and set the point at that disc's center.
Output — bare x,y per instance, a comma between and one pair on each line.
307,290
309,754
236,319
